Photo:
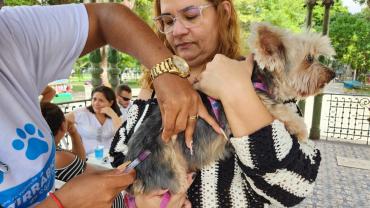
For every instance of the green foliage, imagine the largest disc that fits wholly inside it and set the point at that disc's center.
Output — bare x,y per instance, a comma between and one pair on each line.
350,35
363,2
144,8
113,56
284,13
80,65
21,2
95,56
318,13
127,61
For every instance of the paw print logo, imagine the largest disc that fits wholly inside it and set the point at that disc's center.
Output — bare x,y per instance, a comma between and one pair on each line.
31,140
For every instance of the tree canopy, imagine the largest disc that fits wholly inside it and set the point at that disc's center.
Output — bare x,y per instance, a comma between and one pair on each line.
350,33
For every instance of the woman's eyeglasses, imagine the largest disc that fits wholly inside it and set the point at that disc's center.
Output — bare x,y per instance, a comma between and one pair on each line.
190,17
125,98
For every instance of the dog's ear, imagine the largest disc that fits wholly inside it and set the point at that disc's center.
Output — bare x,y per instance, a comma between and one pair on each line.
266,42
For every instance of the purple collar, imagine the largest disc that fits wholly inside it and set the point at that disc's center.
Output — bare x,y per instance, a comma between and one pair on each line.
130,200
260,86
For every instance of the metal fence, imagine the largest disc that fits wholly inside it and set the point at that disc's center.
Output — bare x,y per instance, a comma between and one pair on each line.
346,118
72,105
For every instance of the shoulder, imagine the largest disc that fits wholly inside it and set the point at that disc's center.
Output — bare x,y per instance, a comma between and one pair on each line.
82,112
63,159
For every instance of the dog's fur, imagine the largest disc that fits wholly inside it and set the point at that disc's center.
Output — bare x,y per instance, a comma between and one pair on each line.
288,64
287,73
168,164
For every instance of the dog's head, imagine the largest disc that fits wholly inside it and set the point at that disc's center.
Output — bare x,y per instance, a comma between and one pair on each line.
292,60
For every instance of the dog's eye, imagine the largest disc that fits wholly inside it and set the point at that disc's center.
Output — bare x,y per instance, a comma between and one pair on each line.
310,58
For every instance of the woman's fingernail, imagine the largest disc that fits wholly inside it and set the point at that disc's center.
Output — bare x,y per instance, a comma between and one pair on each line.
190,146
123,166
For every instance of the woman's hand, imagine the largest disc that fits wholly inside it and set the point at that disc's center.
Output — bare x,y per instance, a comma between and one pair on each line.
224,75
108,111
71,129
178,102
230,81
96,189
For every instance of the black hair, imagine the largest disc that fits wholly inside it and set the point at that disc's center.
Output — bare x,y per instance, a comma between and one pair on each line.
53,115
109,95
123,87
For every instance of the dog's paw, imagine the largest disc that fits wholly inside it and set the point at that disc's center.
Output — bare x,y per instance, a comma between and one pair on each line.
302,135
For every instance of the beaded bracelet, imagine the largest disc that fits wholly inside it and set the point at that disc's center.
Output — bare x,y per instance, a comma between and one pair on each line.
56,200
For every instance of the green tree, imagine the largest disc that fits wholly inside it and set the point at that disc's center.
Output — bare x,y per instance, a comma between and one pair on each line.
363,2
21,2
319,11
350,35
284,13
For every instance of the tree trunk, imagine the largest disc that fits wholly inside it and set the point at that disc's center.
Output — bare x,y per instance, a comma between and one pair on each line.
327,4
310,4
316,117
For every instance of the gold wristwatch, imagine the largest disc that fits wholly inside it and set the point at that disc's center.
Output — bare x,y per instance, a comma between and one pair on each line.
174,65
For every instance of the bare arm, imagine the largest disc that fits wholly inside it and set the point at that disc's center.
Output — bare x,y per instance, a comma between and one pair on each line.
70,117
116,25
81,191
47,95
77,146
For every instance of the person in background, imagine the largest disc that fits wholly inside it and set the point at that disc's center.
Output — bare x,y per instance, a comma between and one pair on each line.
98,122
68,163
124,97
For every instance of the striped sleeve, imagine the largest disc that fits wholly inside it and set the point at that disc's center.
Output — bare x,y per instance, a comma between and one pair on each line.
276,166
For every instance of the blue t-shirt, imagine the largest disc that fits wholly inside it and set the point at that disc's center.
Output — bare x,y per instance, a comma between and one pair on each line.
37,45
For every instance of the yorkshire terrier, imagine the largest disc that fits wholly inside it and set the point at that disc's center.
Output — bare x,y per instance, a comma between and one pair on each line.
168,164
286,69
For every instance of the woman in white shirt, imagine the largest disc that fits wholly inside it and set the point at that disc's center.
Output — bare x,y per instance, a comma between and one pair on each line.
98,122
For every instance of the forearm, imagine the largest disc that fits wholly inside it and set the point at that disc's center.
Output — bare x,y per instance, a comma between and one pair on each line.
77,146
244,110
277,165
116,25
117,121
48,203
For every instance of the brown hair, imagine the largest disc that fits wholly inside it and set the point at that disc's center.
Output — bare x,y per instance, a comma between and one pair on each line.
229,34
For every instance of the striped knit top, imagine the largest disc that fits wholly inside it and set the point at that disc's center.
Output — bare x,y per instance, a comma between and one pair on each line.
76,167
269,167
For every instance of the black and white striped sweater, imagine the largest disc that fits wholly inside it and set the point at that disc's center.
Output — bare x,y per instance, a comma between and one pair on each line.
269,167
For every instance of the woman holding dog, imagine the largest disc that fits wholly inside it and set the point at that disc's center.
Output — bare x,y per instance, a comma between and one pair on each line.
269,165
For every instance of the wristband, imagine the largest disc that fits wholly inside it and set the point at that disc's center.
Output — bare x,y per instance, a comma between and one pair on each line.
56,200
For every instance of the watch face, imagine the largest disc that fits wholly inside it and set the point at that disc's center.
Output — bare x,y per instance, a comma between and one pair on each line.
181,64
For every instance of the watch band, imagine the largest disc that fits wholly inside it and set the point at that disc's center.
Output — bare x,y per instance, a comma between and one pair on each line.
162,67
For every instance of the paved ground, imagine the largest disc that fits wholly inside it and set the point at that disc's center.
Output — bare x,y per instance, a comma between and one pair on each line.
339,186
